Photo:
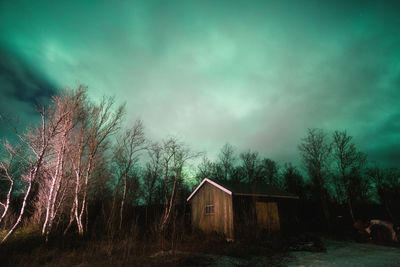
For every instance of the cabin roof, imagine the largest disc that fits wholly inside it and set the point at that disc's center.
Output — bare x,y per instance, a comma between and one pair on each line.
246,189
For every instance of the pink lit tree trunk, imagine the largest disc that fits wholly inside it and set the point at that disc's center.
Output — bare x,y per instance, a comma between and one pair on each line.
38,143
100,122
66,111
6,167
56,180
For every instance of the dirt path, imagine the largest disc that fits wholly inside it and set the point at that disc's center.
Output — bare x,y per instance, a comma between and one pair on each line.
347,254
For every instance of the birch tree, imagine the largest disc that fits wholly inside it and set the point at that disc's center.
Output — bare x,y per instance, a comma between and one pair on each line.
175,155
66,110
8,165
152,175
100,122
126,156
153,170
37,140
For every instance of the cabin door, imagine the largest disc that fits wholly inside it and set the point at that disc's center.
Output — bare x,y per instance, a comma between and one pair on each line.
268,216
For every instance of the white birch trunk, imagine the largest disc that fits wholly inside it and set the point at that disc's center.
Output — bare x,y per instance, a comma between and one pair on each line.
21,213
7,205
31,178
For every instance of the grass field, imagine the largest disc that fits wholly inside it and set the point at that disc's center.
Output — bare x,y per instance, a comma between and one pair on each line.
27,248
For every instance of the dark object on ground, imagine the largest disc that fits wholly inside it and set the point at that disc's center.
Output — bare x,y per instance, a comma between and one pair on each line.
307,243
378,231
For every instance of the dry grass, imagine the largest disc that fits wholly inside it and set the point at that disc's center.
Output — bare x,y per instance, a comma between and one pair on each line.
27,248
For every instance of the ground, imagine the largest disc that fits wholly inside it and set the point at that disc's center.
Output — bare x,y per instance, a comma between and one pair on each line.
348,254
191,251
338,253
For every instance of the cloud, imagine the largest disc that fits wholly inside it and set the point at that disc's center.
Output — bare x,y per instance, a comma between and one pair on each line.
22,88
256,74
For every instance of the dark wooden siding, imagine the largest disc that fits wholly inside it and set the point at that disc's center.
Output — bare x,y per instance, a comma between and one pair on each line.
255,214
222,219
267,216
245,216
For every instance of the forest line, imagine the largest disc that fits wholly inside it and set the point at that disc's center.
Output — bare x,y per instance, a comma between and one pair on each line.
68,166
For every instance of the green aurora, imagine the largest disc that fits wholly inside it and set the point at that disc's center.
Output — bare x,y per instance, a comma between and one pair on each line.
256,74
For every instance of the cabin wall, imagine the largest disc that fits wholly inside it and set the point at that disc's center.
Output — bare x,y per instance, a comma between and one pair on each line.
222,219
245,216
268,216
289,215
253,214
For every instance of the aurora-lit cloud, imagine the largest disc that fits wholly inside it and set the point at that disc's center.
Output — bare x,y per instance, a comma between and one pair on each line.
256,74
22,90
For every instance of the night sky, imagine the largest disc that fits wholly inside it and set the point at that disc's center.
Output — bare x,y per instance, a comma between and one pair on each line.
255,74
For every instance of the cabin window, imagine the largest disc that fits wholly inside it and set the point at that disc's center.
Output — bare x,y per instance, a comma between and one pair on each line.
209,209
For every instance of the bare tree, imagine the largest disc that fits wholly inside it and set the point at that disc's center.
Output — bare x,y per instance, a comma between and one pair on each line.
64,110
61,156
315,151
270,171
37,140
77,154
175,155
387,186
293,180
205,169
171,149
8,171
347,159
227,158
100,122
153,173
250,165
46,157
125,157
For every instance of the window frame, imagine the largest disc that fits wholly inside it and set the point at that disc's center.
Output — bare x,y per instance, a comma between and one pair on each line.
209,209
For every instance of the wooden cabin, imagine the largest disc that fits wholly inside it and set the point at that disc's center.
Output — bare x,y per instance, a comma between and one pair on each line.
236,209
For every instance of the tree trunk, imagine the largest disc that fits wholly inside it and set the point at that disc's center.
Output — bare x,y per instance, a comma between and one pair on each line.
31,178
84,204
54,188
325,209
349,203
71,218
168,208
7,205
21,213
122,202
